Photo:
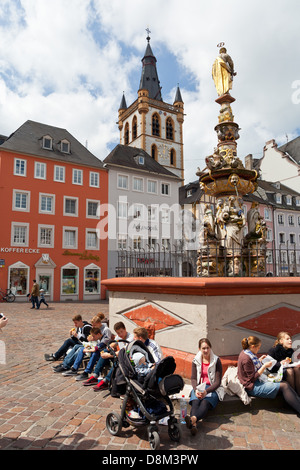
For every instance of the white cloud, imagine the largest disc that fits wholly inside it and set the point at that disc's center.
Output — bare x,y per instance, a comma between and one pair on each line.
67,63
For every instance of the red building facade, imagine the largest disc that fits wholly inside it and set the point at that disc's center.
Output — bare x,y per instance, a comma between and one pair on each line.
51,188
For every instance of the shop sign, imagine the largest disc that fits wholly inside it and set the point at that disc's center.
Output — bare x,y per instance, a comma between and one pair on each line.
19,250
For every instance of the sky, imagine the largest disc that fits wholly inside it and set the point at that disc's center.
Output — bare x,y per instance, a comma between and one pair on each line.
67,63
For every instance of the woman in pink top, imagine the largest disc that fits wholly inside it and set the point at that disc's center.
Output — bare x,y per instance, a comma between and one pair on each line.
206,369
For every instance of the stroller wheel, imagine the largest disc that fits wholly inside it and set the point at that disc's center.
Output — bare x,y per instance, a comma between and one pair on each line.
174,432
154,440
113,423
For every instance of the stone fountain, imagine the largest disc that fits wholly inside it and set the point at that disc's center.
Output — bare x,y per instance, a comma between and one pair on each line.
226,251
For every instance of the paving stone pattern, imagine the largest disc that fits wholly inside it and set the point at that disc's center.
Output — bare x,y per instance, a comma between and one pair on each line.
43,410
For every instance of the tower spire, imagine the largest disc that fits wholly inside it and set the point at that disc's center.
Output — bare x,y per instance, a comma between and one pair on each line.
149,78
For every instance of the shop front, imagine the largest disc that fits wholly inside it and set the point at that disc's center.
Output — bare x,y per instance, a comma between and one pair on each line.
67,282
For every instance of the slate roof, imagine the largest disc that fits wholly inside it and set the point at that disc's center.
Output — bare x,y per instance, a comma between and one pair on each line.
292,148
195,195
149,79
264,194
127,157
28,140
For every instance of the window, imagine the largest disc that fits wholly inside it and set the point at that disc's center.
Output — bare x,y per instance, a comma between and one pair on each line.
278,198
269,236
292,238
152,242
70,206
155,125
169,129
47,203
282,238
47,142
173,157
269,257
165,215
59,173
92,279
153,213
291,220
141,160
77,176
137,211
70,237
18,275
280,219
138,184
94,179
69,280
126,134
65,146
165,189
91,239
137,243
21,200
298,201
267,213
20,167
154,152
122,241
40,170
122,210
134,128
92,209
152,187
165,242
46,236
19,234
122,182
289,200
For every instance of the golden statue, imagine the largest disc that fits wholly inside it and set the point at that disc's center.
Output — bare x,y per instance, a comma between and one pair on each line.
223,72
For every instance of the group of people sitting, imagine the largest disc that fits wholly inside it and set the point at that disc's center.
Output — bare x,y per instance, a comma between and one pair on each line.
89,341
253,373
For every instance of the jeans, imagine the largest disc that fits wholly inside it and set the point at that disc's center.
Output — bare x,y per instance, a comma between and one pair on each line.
100,365
35,300
71,356
69,343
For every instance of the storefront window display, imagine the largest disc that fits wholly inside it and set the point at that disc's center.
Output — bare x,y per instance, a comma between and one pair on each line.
69,281
92,280
18,278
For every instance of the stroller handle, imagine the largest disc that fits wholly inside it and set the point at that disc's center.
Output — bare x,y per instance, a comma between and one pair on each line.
111,350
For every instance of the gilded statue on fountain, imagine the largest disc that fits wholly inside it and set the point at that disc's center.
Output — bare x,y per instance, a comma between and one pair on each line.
225,249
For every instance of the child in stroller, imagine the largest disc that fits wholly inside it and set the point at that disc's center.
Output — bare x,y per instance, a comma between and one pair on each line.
149,393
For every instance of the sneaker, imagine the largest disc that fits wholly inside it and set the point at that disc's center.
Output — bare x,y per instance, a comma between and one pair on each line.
60,368
82,376
91,381
102,385
69,373
49,357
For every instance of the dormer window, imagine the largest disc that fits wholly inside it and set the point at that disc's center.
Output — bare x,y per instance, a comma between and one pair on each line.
289,200
47,142
65,146
278,198
141,160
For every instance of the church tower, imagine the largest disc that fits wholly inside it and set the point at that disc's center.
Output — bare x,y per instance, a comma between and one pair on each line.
150,123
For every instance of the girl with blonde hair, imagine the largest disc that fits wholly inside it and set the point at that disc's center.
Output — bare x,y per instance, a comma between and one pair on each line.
284,354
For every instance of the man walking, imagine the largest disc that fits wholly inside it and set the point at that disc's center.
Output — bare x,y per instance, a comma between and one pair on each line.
35,292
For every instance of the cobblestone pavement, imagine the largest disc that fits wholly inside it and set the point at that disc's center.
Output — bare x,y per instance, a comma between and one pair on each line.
43,410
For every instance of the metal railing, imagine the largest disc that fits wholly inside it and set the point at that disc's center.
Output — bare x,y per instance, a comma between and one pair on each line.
178,262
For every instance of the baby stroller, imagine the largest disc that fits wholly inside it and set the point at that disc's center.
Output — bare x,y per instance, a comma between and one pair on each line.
151,396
